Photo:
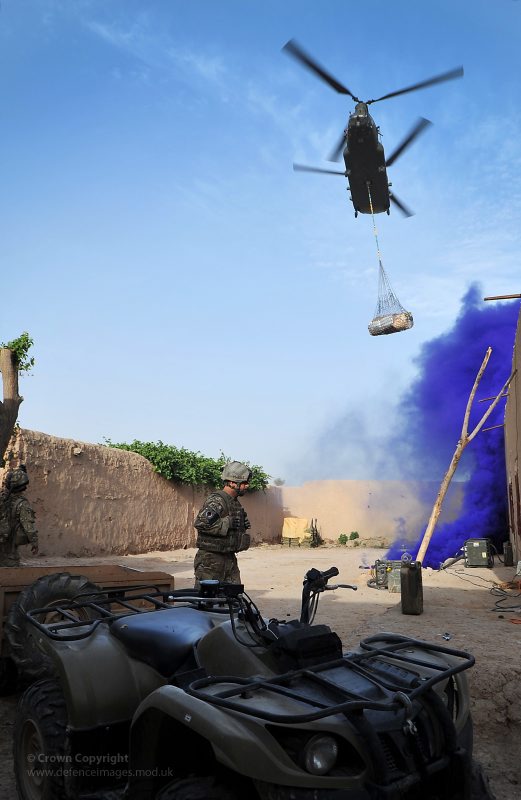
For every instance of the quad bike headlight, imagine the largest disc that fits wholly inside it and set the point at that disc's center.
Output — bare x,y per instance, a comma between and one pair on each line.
320,754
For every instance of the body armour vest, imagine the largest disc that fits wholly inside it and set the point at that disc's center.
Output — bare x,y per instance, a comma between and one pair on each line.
221,525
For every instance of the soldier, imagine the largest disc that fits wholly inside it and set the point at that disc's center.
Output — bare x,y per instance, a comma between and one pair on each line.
17,525
221,526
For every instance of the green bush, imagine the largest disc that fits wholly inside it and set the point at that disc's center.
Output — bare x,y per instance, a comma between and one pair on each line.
342,539
354,535
20,348
184,466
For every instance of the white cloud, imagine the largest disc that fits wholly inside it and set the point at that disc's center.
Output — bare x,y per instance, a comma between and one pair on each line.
210,68
159,52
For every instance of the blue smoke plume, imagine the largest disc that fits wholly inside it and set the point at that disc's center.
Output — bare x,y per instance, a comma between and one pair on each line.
432,416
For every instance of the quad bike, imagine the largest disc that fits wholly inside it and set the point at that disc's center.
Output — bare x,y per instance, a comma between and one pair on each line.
202,698
24,588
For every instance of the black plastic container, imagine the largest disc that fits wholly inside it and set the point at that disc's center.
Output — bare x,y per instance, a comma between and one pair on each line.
508,555
412,587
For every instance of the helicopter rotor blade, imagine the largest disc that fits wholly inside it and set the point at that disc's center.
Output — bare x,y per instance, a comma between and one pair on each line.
420,126
337,151
403,208
294,49
445,76
304,168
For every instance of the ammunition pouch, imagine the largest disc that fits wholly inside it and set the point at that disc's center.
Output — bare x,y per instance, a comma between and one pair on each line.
214,544
238,520
241,540
233,542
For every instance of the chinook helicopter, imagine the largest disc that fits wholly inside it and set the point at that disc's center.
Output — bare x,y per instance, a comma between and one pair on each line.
364,157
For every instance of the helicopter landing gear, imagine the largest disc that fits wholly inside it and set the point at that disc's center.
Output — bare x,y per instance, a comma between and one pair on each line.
356,214
388,211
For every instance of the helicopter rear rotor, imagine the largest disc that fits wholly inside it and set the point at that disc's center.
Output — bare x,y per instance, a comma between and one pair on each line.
413,134
401,206
305,168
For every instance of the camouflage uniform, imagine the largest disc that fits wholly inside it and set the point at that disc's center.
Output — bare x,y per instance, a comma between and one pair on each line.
20,518
221,526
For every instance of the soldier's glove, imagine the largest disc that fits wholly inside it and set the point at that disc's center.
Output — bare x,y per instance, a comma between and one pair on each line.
247,524
34,548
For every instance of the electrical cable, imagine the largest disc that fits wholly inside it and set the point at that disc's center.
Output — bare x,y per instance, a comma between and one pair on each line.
503,597
458,574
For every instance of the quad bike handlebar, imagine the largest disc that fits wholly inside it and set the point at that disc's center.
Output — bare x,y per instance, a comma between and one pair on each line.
315,582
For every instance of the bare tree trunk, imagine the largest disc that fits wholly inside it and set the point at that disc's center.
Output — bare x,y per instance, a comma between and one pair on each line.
12,400
464,440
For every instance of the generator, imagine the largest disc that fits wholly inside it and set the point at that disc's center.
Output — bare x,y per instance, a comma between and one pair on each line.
478,553
386,575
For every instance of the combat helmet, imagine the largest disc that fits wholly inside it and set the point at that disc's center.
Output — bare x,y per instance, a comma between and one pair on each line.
236,471
16,479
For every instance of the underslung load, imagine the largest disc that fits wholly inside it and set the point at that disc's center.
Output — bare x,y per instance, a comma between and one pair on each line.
390,316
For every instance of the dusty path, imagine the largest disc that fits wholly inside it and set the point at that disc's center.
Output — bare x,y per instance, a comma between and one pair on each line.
457,602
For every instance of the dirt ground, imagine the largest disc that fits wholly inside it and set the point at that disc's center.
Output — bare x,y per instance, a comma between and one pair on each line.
459,611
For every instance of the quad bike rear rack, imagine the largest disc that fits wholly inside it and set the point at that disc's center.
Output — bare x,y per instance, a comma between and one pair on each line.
78,619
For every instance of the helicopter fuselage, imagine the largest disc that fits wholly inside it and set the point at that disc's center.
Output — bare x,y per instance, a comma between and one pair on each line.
365,163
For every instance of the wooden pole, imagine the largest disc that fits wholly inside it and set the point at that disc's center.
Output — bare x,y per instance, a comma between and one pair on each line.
464,440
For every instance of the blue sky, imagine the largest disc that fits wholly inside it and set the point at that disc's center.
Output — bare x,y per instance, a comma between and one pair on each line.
180,281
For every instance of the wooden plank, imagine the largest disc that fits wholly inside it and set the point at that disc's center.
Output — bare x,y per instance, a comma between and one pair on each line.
20,577
108,576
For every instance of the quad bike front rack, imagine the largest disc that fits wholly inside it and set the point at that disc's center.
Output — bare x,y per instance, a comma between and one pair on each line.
321,685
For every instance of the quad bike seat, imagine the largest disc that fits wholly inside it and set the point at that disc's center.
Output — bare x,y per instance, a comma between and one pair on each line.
163,639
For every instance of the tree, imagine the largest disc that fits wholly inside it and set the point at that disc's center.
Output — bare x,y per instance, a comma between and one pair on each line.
463,441
13,360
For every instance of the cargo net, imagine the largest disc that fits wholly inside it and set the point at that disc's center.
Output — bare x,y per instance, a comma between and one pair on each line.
389,316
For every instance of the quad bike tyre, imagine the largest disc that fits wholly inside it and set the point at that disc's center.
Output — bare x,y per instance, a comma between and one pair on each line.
40,743
31,663
480,789
196,789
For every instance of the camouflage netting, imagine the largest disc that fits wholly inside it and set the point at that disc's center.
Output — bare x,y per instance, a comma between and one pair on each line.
390,316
